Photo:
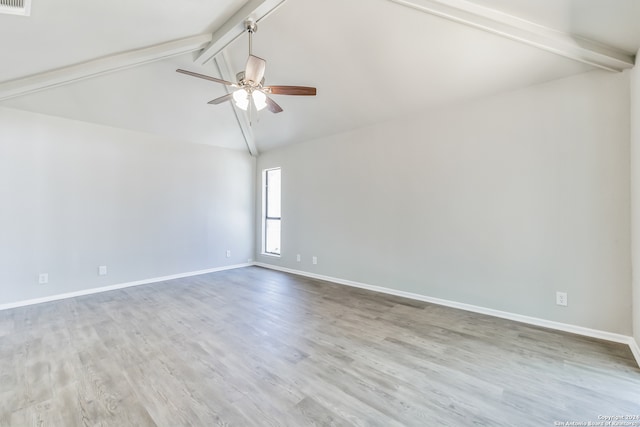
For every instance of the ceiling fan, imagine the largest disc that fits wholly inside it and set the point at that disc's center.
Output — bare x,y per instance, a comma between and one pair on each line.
250,90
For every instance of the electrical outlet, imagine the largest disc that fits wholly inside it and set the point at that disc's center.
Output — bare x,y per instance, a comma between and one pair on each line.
228,253
43,278
314,260
298,258
102,270
561,298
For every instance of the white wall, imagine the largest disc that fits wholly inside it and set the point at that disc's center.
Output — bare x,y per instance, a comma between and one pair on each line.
635,196
497,203
74,196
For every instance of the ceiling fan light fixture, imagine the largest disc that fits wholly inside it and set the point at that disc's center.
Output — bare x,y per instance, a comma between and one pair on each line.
241,98
259,99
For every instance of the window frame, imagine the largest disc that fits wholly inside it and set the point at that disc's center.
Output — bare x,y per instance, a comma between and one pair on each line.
266,217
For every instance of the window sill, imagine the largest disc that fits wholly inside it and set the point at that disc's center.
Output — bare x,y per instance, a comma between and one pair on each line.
270,255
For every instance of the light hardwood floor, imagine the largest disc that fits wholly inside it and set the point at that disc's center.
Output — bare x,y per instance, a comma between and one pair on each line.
254,347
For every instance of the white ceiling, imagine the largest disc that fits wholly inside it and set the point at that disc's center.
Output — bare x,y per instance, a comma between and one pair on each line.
371,60
612,22
64,32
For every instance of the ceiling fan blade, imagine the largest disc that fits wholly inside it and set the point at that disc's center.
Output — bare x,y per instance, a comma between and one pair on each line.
222,99
254,71
273,106
291,90
202,76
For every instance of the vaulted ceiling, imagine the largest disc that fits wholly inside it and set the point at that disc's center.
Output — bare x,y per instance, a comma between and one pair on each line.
114,63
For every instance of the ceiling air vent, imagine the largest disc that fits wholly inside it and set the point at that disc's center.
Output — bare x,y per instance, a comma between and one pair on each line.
15,7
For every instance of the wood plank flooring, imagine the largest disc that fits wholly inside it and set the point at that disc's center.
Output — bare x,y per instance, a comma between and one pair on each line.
254,347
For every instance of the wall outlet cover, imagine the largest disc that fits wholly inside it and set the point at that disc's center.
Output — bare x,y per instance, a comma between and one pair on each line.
561,298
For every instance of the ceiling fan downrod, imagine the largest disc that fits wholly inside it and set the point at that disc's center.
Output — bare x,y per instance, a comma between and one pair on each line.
251,28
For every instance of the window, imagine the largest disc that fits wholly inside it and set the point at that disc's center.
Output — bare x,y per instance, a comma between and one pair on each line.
15,7
272,218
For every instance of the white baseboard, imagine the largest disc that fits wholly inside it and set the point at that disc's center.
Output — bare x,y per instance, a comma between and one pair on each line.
635,349
117,286
579,330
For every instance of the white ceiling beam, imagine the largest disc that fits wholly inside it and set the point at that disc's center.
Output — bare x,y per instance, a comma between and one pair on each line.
222,63
256,10
97,67
496,22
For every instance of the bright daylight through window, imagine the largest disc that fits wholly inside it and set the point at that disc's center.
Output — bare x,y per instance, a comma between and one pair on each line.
272,211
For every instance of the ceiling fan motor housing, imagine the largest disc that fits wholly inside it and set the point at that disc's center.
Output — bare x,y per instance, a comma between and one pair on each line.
242,82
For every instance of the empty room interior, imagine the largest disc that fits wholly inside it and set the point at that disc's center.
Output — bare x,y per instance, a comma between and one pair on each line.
329,213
